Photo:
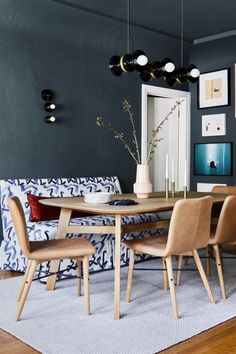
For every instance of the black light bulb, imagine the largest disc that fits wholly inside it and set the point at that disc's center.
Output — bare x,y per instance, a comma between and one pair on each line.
50,119
171,81
114,65
49,107
168,66
47,95
145,75
181,75
156,69
140,60
127,63
193,73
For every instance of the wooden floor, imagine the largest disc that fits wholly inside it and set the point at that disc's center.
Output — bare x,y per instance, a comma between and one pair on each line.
219,340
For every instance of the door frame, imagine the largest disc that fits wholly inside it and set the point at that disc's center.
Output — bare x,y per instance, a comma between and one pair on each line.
148,90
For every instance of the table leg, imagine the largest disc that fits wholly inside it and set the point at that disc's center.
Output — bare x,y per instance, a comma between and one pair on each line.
117,268
64,221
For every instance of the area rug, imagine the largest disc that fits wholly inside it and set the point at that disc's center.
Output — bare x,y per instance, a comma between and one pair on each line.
55,322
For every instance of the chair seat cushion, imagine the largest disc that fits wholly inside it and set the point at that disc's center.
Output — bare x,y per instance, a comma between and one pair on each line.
154,245
61,249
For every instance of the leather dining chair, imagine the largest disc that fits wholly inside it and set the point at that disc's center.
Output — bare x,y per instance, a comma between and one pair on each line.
189,230
224,189
38,252
231,190
231,249
224,234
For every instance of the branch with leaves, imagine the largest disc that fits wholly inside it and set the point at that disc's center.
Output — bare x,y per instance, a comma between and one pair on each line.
153,142
135,154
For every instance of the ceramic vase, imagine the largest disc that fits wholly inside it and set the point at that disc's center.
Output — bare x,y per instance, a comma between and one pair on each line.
142,186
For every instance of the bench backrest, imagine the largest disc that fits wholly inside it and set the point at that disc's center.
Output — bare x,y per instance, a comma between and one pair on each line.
49,187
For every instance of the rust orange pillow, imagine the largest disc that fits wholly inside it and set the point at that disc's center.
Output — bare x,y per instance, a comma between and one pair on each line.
41,212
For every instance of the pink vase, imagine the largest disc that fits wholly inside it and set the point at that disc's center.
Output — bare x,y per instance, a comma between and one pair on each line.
142,186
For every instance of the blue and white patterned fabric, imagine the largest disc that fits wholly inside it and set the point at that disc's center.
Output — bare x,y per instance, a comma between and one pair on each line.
11,256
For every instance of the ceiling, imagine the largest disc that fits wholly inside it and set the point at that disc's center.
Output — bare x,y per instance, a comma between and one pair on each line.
201,17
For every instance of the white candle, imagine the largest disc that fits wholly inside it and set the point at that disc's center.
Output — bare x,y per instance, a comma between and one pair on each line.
185,173
167,166
172,171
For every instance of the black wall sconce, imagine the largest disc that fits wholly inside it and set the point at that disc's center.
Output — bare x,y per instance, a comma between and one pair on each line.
47,95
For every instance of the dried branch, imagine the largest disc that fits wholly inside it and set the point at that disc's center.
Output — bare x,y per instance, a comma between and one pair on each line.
101,122
153,142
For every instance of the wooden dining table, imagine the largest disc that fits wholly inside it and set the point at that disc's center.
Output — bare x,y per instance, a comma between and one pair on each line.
154,204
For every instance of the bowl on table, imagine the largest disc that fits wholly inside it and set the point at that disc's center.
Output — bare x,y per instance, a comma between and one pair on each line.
98,197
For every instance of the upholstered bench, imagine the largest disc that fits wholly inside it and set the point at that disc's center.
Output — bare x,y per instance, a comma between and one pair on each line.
11,256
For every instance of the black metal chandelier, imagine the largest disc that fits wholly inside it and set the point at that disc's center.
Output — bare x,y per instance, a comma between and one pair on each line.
165,68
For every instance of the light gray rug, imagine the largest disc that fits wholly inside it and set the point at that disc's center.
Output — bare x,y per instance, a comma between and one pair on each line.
55,322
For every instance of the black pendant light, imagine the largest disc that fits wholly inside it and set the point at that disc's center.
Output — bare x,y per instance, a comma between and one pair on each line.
128,62
138,61
182,75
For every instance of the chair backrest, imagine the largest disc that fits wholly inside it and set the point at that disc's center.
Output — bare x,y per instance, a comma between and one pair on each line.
19,223
189,226
226,226
224,189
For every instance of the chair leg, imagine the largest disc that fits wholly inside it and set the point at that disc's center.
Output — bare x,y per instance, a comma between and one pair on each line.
203,276
130,276
86,283
165,276
26,289
219,270
172,286
179,266
208,262
186,260
24,281
79,273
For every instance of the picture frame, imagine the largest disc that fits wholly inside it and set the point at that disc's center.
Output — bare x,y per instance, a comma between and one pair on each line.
213,159
214,124
213,89
235,90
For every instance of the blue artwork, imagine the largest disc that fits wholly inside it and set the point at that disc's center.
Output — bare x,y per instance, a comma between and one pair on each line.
213,159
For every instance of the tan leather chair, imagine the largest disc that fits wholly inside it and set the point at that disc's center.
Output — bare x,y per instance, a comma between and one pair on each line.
41,251
224,189
224,234
189,230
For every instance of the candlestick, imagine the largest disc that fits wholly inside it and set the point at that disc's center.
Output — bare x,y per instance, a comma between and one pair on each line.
185,192
172,171
167,166
167,187
185,173
173,189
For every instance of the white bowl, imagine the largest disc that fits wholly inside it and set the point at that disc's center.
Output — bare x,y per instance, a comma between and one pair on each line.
99,197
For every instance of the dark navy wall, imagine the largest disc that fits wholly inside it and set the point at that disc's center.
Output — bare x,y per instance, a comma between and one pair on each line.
48,45
210,56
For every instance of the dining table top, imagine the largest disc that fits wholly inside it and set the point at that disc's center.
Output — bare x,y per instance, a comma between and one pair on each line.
155,203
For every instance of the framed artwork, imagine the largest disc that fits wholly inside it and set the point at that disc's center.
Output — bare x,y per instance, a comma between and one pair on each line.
235,89
213,89
213,124
213,159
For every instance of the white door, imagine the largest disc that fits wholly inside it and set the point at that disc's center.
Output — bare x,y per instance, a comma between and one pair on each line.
158,108
174,134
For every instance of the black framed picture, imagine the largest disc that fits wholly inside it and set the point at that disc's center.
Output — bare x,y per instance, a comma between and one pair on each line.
213,89
213,159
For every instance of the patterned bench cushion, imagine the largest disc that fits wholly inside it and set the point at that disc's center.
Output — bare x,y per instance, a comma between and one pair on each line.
51,187
11,256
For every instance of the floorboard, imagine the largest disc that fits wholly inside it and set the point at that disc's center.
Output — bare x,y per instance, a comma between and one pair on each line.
218,340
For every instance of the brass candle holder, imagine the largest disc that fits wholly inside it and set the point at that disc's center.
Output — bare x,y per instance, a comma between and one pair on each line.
173,189
185,191
167,187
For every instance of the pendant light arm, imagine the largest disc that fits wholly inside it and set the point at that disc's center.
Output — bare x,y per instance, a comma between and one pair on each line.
128,26
182,34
